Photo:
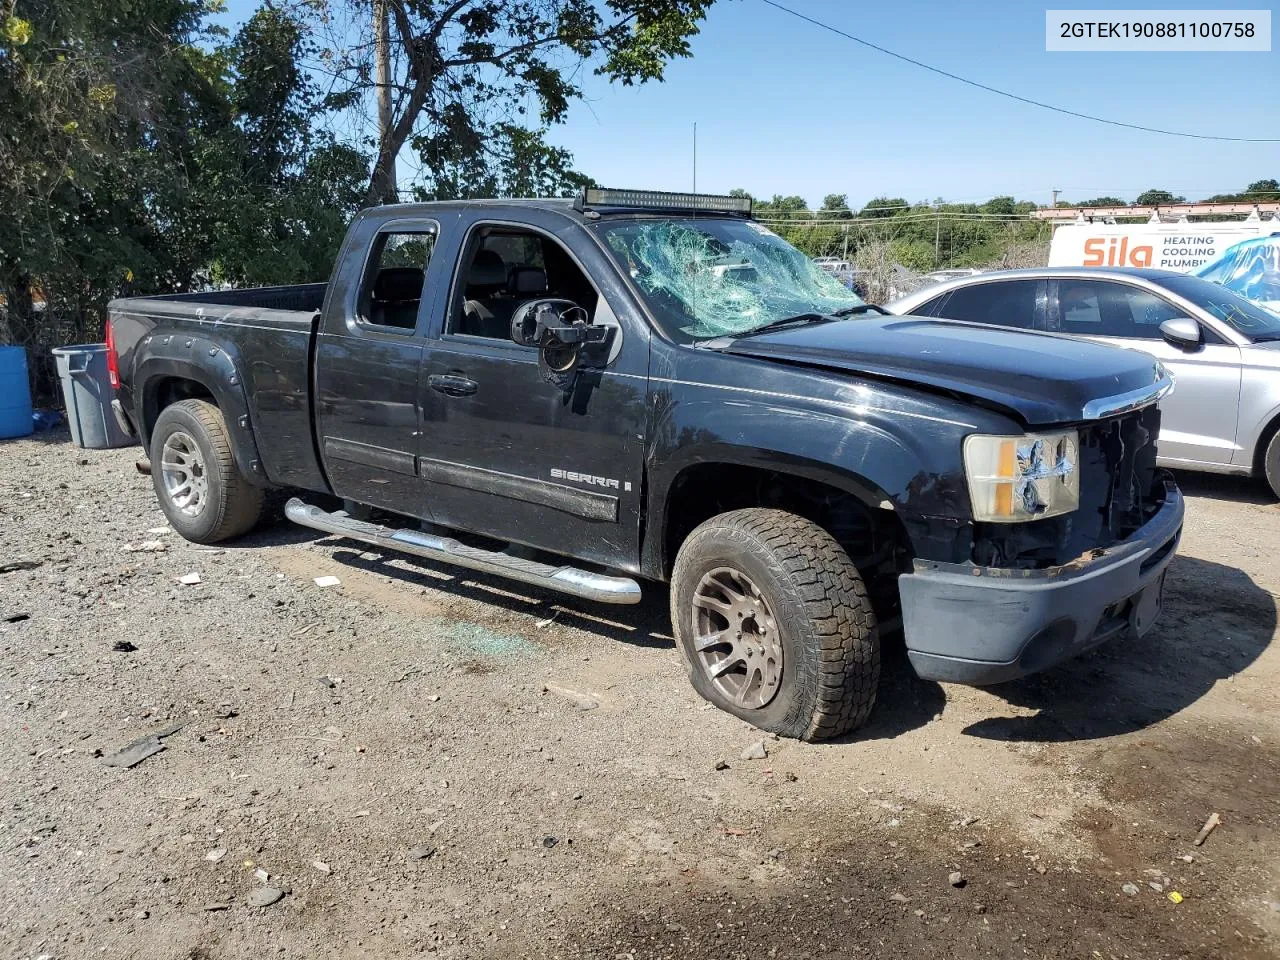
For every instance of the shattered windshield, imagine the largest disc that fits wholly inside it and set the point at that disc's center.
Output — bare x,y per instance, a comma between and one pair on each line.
706,278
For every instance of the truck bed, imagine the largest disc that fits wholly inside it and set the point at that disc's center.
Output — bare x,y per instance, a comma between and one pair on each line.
301,298
270,349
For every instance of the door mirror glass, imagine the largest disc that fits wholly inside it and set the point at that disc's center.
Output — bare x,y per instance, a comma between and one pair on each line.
1182,332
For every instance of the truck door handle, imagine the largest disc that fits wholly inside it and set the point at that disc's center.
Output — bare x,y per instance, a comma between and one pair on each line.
452,385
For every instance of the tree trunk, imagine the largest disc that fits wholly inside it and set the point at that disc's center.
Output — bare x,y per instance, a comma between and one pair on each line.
383,185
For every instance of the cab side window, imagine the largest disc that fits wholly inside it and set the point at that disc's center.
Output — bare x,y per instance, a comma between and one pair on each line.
391,291
1104,308
1004,303
505,267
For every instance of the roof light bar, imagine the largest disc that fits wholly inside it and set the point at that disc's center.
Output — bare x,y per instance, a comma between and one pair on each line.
595,197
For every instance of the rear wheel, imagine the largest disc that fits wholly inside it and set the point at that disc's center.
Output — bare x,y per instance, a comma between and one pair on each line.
199,486
774,624
1271,463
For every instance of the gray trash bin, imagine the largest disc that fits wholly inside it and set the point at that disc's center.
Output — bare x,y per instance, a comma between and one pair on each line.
86,390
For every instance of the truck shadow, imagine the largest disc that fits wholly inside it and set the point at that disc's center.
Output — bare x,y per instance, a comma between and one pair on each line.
904,701
645,624
1216,622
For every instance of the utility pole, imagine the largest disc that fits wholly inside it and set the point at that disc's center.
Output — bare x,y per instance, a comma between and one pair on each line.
937,236
387,180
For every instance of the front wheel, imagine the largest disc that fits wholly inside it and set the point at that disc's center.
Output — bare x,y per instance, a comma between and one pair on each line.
1271,464
774,625
199,486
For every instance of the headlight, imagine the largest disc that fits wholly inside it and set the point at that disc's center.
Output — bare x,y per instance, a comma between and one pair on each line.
1022,478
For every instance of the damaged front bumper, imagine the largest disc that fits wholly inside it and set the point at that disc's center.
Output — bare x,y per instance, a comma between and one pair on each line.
980,625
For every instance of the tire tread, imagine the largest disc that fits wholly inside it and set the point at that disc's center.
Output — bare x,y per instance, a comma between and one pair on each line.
240,505
835,600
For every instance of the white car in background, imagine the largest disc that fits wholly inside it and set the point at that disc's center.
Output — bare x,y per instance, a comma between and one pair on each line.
941,276
833,264
1223,415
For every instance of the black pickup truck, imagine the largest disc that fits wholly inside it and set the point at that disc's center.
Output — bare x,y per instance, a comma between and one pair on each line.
631,387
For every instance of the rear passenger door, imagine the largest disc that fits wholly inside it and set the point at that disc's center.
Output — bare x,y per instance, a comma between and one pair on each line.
1000,303
1198,419
506,453
368,359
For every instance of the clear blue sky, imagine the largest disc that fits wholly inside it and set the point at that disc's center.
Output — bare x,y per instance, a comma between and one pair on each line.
785,107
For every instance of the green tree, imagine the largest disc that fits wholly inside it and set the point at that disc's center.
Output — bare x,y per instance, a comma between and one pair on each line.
159,157
1100,202
278,189
93,99
512,162
1154,198
883,207
835,206
466,75
782,208
1260,191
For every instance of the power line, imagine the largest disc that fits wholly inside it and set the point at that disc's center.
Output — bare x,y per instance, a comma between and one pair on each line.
907,218
1006,93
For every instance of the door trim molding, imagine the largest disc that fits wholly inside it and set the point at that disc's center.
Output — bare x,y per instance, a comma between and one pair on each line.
367,454
587,504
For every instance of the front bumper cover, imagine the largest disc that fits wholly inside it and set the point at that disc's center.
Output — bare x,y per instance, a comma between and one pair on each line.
981,625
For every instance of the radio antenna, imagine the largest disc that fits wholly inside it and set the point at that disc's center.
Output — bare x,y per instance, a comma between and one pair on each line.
695,156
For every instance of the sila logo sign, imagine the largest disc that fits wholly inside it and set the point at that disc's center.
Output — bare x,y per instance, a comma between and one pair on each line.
1116,252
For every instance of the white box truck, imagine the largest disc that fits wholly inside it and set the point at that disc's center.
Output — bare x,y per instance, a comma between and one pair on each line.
1182,247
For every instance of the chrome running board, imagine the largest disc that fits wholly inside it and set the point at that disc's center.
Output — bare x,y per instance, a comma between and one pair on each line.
571,580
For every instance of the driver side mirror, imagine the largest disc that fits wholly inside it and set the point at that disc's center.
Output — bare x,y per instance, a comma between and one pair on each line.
564,339
1183,333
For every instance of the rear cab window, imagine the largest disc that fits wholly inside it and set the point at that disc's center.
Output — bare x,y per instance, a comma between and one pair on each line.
391,289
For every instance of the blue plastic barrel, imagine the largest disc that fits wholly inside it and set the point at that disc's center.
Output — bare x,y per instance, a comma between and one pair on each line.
15,393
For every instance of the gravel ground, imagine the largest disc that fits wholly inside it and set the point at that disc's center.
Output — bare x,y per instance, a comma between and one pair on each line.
407,760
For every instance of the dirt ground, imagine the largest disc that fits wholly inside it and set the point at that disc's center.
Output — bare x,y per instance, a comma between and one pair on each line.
387,753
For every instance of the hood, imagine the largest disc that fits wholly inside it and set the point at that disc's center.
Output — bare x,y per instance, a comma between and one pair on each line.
1040,378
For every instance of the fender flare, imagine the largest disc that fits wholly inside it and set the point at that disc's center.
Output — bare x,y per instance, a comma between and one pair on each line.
210,364
905,482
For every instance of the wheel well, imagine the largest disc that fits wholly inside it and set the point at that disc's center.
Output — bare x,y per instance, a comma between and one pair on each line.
874,538
1260,451
167,391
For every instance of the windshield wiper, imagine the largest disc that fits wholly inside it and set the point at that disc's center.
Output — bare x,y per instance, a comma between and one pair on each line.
860,308
797,320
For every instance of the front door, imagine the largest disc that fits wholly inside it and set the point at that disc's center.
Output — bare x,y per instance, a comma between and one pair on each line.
506,453
1198,419
368,360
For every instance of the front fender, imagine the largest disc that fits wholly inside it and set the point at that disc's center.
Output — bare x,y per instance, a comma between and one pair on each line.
915,474
168,356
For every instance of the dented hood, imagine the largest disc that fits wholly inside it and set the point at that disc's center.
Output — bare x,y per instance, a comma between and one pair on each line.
1042,379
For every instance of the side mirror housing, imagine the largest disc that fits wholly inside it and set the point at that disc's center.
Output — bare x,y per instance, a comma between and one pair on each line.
1183,333
565,340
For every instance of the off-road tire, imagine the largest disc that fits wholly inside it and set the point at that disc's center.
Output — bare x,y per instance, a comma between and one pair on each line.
1271,464
233,505
831,645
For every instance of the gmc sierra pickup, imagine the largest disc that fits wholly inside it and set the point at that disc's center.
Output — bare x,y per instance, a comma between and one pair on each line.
587,395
